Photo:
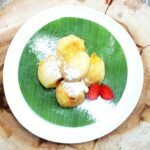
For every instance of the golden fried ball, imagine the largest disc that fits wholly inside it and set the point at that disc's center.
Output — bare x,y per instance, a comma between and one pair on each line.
96,71
69,44
49,71
70,94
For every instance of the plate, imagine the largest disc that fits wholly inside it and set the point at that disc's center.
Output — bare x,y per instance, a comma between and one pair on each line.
36,108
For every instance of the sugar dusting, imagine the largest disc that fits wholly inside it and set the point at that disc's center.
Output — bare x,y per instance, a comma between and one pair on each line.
71,72
98,108
75,88
43,46
53,64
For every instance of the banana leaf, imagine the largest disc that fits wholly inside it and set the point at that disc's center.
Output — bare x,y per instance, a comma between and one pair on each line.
97,39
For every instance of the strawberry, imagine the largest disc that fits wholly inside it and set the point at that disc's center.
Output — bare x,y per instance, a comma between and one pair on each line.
93,92
106,92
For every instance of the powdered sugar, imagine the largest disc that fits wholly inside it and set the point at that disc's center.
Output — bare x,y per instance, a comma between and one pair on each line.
53,64
97,109
71,72
74,88
43,46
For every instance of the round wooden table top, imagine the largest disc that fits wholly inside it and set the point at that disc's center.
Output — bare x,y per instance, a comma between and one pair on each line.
134,133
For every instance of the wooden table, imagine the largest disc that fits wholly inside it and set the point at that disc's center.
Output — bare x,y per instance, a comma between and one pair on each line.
134,133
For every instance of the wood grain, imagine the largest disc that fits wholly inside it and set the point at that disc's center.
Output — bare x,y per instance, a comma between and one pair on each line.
135,17
19,11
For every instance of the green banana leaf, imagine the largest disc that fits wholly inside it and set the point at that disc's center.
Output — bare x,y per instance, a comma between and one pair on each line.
97,39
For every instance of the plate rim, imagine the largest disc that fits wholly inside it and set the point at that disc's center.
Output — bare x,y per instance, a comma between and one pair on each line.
63,134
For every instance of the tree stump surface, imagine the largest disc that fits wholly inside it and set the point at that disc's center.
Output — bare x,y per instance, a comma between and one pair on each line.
134,133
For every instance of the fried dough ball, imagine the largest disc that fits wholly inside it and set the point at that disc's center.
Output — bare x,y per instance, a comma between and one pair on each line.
76,66
49,72
96,71
70,94
69,44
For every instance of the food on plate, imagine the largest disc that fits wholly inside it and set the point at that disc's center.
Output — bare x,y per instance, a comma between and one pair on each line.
49,71
96,71
74,73
70,44
70,94
75,66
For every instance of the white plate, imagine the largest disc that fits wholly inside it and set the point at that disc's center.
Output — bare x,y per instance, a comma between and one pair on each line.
46,130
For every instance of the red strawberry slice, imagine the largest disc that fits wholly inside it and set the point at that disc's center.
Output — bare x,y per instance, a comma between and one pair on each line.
93,92
106,92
